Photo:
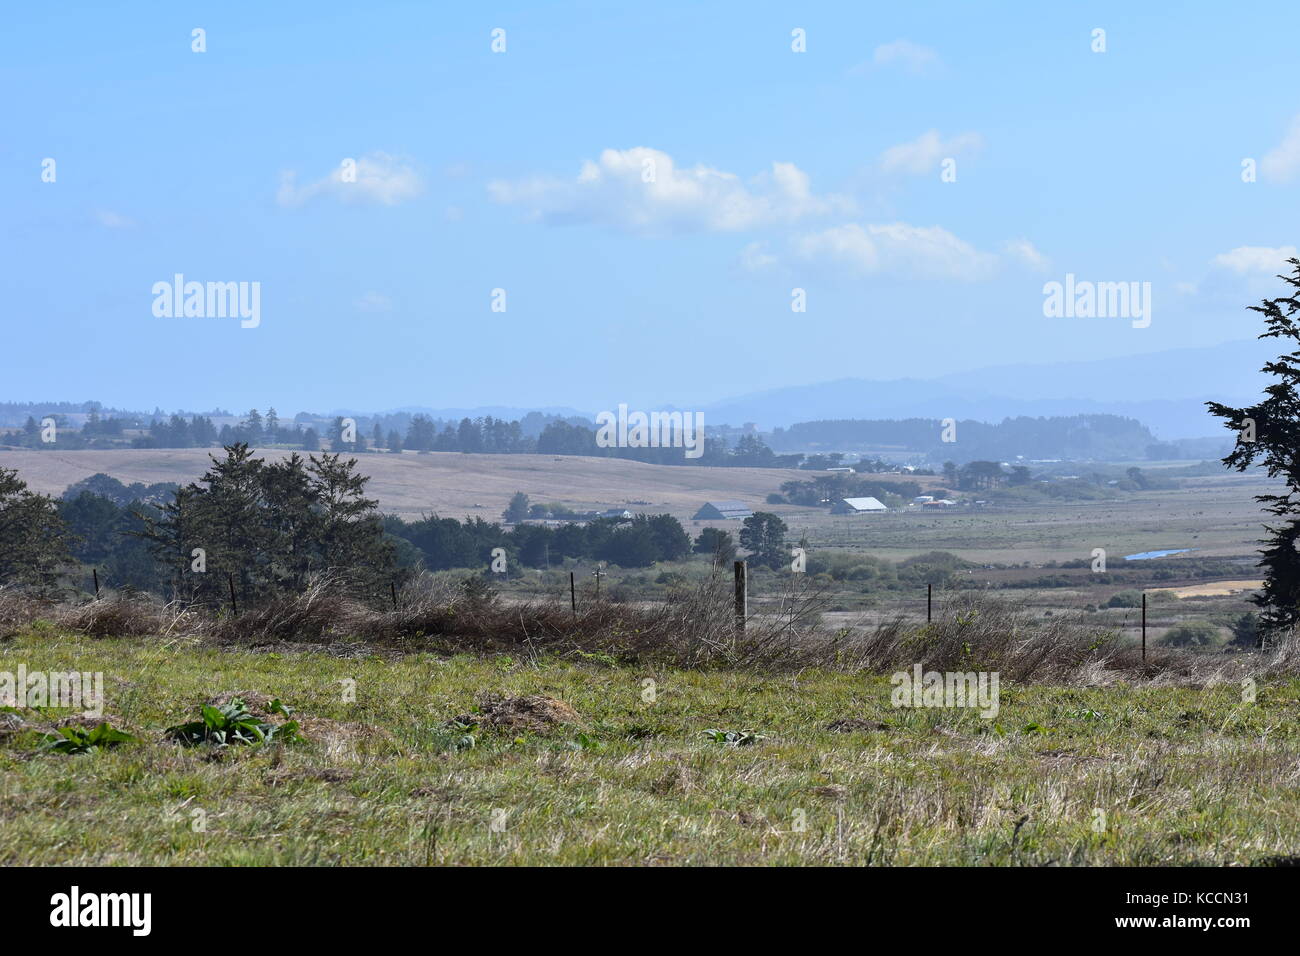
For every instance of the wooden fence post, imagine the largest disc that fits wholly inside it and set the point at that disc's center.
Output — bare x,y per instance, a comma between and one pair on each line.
929,602
573,596
1144,627
234,608
95,573
742,598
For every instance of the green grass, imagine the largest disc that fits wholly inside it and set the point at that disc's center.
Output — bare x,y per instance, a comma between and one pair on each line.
1182,775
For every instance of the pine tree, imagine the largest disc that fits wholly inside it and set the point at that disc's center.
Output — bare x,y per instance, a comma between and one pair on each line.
1269,433
34,541
253,426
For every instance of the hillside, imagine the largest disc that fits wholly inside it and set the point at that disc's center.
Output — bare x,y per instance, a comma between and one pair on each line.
449,483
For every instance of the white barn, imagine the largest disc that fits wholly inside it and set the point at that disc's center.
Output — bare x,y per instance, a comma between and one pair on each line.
857,506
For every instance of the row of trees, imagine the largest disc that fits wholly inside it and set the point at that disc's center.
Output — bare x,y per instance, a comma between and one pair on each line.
485,435
267,527
260,527
1100,437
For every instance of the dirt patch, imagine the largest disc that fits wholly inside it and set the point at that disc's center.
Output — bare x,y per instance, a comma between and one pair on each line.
851,725
1214,588
11,723
536,713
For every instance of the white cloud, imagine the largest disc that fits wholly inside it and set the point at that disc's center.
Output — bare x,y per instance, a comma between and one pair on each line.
1282,163
644,192
755,257
923,154
111,220
1023,251
379,178
1250,259
373,302
897,249
912,57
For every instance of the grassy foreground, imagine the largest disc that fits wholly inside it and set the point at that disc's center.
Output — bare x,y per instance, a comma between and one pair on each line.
1063,775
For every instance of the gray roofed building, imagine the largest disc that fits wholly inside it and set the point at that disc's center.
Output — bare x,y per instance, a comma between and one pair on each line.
723,510
857,506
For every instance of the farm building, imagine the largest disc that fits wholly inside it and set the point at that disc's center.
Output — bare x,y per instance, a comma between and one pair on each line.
857,506
723,510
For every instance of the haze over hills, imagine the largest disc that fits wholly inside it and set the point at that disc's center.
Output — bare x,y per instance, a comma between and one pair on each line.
1164,390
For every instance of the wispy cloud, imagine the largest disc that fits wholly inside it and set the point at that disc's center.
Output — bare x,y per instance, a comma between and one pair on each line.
904,54
896,249
921,155
1023,252
377,178
644,192
1281,164
112,220
1248,260
373,302
755,257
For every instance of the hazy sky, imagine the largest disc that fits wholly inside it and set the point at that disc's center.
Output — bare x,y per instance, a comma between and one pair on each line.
527,171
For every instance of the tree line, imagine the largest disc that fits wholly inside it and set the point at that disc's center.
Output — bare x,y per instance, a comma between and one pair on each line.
263,528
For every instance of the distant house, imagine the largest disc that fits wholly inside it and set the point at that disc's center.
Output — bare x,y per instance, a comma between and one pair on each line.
941,503
723,511
849,471
857,506
922,499
618,513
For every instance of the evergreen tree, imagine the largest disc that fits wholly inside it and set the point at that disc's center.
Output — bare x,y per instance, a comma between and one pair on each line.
517,510
34,540
716,543
1269,433
764,535
252,426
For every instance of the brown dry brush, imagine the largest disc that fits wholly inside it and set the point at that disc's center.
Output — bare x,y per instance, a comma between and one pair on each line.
695,627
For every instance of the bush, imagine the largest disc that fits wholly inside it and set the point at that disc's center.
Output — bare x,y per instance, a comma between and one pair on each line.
1125,599
1191,634
1245,630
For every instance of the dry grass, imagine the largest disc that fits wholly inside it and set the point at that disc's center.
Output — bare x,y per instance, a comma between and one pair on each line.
125,614
448,483
974,631
694,628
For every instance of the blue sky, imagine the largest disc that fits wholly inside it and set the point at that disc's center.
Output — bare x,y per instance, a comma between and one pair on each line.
523,171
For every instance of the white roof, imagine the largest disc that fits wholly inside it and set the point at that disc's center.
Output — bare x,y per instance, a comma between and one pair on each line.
865,504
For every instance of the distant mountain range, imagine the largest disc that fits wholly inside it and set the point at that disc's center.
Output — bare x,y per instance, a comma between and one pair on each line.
1166,391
